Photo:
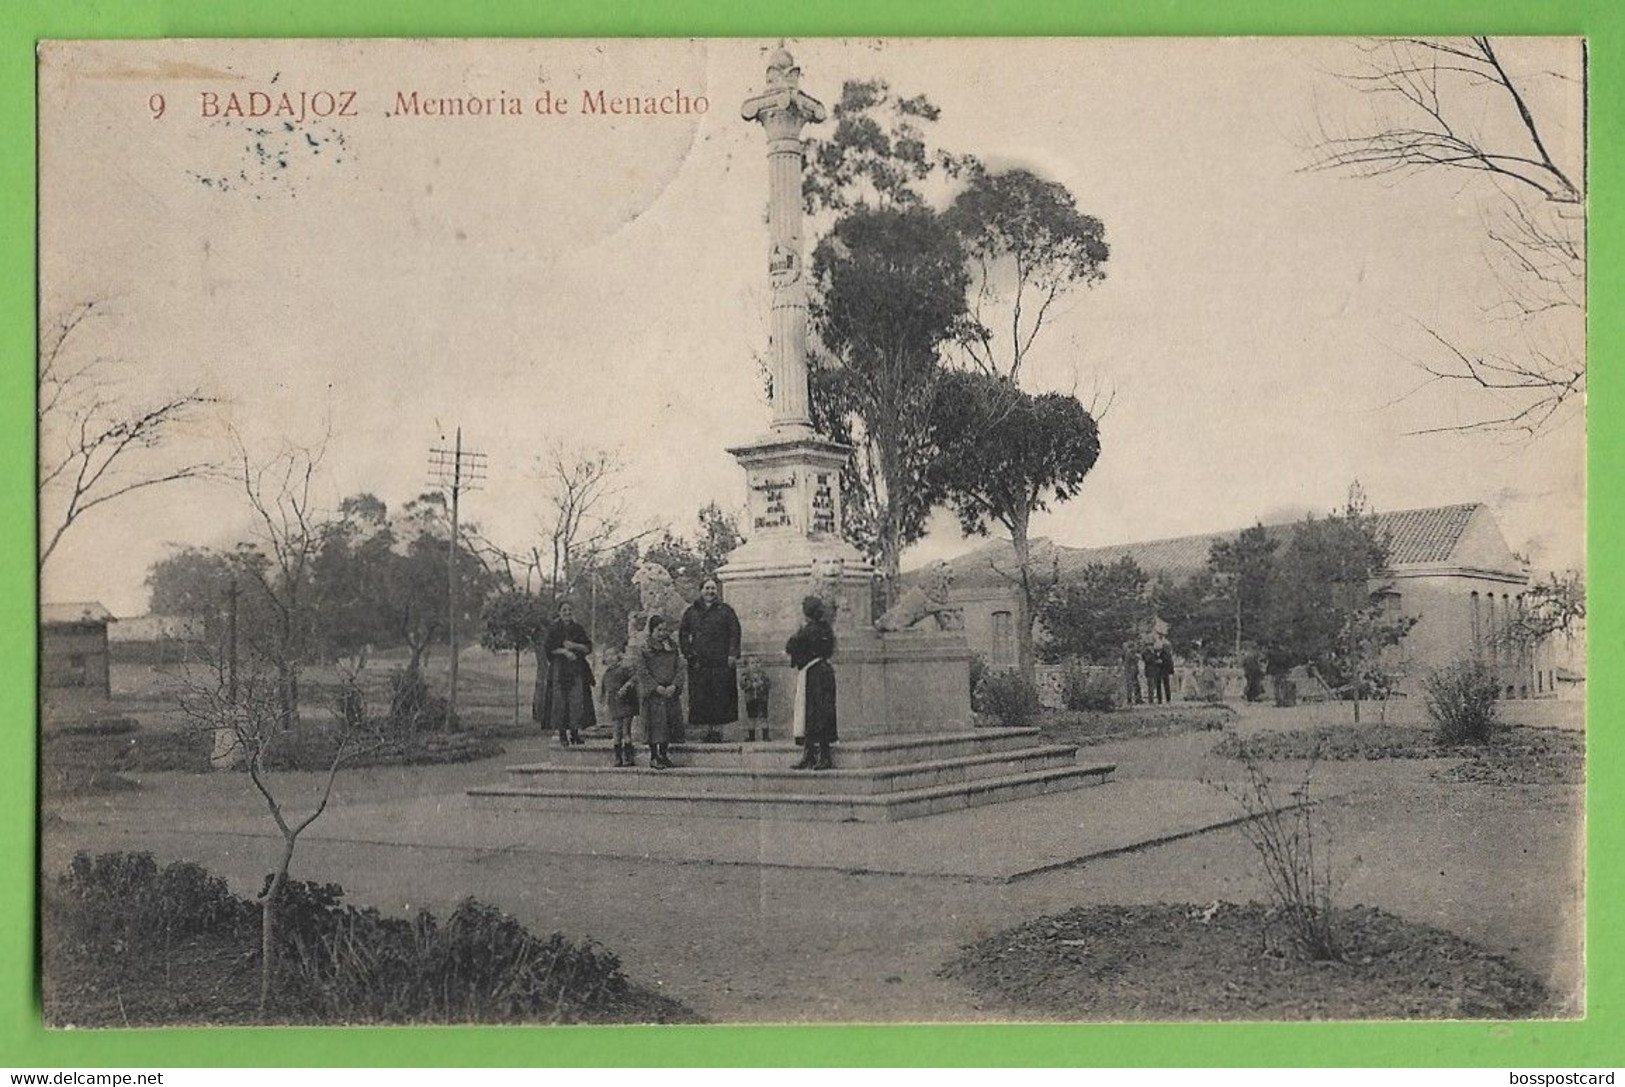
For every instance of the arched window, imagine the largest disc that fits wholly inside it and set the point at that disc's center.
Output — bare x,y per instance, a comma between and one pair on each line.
1478,632
1004,640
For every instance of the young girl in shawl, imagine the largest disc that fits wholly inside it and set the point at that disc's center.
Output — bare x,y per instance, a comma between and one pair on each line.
660,690
810,649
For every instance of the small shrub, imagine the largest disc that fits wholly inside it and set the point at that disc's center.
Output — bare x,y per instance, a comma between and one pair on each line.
1087,689
978,671
1009,696
1461,701
1295,855
413,707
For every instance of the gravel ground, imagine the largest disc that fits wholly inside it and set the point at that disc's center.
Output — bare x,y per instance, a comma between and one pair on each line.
1497,865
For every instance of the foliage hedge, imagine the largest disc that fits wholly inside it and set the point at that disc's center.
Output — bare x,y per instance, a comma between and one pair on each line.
174,944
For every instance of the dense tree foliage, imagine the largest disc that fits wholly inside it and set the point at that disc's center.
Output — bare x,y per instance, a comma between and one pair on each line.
1005,454
890,296
1096,611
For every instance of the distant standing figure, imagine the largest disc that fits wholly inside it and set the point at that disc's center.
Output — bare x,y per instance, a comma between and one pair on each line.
810,650
1131,674
709,641
1153,687
563,701
1165,670
660,690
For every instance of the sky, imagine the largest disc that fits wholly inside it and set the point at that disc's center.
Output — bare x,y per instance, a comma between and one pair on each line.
383,278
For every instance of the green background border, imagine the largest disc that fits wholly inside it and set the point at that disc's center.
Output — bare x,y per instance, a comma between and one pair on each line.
24,1044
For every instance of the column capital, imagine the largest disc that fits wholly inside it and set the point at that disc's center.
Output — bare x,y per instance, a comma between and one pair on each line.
788,107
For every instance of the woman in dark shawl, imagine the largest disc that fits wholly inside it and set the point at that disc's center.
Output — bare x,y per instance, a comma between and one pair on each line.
564,695
810,649
709,641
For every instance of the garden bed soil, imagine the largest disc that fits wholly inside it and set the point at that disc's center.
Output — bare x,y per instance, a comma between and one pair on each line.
1514,755
1237,962
81,764
1089,727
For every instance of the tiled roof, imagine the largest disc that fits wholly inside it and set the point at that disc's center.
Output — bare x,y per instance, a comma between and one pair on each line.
1415,537
77,611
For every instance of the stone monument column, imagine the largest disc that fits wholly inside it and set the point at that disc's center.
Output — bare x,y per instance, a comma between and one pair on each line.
912,682
782,111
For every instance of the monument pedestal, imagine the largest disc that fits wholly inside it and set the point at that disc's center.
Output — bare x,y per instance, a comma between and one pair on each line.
906,746
903,682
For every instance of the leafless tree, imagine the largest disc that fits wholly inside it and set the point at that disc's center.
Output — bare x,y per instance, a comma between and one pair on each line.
278,564
1555,606
96,446
1456,104
586,510
239,704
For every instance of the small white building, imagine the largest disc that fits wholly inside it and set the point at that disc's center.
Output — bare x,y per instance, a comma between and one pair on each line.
1450,568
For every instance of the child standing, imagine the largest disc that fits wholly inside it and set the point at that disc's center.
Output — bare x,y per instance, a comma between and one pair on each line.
619,690
660,689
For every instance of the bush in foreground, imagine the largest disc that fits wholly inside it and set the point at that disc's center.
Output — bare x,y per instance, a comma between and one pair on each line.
1461,702
129,943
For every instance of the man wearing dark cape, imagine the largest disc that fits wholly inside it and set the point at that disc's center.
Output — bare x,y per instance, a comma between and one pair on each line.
563,701
709,640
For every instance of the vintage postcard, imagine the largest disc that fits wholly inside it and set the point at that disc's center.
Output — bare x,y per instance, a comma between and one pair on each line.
866,531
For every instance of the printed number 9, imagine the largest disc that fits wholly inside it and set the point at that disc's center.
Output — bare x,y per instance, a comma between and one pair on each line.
156,104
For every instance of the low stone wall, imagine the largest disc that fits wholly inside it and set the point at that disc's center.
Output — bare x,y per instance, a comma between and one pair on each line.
1182,685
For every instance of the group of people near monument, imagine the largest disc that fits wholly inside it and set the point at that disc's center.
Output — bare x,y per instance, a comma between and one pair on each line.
1157,658
698,656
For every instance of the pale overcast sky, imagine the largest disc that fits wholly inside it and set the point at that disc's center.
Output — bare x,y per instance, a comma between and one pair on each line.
603,280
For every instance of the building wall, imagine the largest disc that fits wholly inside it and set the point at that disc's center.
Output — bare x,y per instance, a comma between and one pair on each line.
992,618
1460,615
1457,614
1560,666
74,657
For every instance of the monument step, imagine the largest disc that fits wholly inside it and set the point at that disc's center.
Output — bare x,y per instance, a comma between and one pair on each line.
727,779
805,804
848,754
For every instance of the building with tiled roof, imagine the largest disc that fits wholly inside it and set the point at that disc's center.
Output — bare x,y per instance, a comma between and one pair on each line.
1450,567
73,657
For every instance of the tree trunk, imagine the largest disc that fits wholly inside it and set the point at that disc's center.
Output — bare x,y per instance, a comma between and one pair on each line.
891,562
891,532
287,696
268,909
1023,548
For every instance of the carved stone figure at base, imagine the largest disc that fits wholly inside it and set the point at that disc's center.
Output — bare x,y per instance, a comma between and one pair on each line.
927,600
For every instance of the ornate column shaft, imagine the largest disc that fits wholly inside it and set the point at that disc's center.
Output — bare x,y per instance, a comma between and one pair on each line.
783,110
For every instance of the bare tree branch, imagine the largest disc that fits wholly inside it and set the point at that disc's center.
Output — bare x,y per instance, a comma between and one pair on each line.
1453,104
96,448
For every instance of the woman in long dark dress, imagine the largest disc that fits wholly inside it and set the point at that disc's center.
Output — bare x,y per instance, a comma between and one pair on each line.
810,650
709,641
564,698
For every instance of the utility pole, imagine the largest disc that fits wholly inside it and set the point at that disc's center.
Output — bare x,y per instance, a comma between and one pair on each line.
456,469
231,642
